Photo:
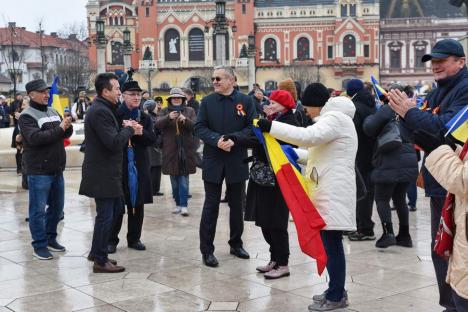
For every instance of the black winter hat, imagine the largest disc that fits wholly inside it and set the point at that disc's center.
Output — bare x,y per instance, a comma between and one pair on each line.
315,95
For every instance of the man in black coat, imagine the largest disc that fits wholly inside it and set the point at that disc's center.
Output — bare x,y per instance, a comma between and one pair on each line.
129,110
43,131
224,112
448,64
365,106
102,166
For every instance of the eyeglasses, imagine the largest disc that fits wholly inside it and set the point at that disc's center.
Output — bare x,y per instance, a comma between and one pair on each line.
133,94
216,78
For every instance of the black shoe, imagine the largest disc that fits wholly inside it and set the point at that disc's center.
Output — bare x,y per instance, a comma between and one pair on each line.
404,241
347,233
159,194
210,260
412,208
240,253
26,219
111,249
137,246
359,237
386,240
189,196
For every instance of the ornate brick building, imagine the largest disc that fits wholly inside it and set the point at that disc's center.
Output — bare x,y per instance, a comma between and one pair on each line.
326,40
408,31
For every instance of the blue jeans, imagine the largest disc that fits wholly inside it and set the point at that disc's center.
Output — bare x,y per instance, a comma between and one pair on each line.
45,190
412,193
180,190
336,264
107,209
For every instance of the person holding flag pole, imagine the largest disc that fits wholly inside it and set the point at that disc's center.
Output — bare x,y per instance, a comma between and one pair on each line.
330,183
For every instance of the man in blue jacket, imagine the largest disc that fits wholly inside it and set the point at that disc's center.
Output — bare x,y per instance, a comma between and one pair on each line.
448,65
224,112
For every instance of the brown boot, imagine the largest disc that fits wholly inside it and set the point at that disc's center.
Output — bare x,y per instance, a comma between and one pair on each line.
91,258
107,268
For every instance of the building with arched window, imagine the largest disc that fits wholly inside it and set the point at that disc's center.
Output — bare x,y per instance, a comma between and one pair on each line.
408,31
332,40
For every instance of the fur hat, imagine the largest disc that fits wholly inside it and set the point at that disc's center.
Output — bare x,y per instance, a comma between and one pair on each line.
315,95
290,86
284,98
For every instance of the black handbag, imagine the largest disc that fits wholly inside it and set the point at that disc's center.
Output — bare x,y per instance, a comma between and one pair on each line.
389,138
261,174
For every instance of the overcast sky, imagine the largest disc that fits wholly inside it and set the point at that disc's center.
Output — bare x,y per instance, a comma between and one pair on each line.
54,13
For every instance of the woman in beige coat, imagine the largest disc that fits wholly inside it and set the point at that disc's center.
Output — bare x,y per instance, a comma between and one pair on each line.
452,173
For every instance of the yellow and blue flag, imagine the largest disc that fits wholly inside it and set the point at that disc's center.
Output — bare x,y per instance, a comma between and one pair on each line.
458,125
54,100
379,91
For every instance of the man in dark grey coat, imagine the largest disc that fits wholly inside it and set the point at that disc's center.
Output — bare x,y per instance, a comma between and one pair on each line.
102,166
224,112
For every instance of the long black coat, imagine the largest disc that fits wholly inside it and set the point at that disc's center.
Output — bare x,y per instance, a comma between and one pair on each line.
365,106
105,140
219,116
397,166
265,205
141,147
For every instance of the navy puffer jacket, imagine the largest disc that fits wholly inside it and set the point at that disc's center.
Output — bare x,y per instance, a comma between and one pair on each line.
397,166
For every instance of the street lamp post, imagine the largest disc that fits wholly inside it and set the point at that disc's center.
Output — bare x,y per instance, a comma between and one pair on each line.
251,52
220,26
100,46
127,49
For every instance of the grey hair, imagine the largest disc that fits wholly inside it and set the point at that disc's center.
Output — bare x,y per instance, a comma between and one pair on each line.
228,69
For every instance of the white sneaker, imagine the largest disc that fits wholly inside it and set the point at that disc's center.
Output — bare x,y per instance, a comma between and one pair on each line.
177,210
184,211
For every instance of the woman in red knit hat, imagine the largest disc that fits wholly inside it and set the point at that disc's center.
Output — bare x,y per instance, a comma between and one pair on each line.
265,204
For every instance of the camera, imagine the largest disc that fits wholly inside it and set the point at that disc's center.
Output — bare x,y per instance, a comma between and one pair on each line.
130,73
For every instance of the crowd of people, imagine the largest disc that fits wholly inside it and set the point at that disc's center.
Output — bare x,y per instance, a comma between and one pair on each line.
355,149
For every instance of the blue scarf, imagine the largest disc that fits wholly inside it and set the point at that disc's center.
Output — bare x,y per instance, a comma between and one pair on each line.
133,114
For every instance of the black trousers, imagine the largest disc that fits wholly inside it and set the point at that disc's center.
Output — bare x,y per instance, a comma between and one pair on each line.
364,207
18,158
135,224
210,214
106,210
440,265
278,239
397,192
156,179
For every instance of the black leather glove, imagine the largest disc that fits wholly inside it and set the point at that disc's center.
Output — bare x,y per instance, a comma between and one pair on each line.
264,125
429,142
231,137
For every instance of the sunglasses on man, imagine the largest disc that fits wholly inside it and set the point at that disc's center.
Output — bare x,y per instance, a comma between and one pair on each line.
218,79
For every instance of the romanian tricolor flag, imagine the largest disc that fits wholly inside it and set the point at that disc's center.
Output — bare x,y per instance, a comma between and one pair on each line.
458,125
54,100
293,188
379,91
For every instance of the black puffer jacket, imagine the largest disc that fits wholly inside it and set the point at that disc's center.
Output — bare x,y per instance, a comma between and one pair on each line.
365,106
398,165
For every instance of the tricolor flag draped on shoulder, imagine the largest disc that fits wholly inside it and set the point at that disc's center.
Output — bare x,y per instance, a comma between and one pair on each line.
307,220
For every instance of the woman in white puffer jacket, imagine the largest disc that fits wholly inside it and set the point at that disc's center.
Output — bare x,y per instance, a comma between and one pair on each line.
332,145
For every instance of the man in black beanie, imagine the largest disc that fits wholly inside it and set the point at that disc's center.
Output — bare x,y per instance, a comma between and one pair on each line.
365,106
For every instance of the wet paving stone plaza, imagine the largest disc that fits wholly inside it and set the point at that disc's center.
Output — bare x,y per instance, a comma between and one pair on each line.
170,276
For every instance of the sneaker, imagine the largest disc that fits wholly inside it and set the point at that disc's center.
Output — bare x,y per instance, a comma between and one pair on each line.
404,241
322,297
328,305
359,237
277,272
347,233
177,210
386,240
412,208
54,246
184,211
266,268
42,254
